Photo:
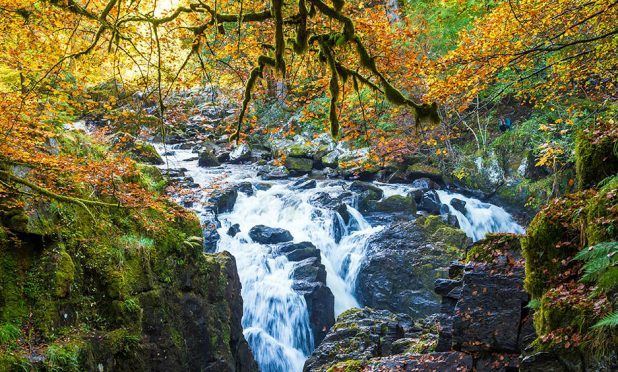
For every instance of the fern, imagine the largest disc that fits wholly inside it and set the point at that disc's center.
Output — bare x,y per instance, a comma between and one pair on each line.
601,268
600,265
609,321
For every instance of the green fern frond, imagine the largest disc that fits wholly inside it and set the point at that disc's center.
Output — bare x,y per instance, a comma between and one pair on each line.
609,321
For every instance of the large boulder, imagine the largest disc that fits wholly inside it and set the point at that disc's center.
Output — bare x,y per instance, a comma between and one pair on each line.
269,235
403,262
207,158
459,205
359,335
488,315
223,200
430,202
393,204
298,165
299,251
367,194
310,281
360,187
448,361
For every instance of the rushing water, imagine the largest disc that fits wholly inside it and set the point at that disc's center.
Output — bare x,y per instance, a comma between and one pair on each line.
275,319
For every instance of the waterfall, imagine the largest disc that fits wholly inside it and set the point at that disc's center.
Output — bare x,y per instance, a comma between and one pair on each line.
480,218
275,319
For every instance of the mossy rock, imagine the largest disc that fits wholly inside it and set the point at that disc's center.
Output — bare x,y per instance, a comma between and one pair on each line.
298,165
543,257
300,151
393,203
594,161
139,150
492,246
602,214
440,232
65,273
348,366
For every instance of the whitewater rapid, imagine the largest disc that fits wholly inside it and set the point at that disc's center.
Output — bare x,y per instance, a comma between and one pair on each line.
275,318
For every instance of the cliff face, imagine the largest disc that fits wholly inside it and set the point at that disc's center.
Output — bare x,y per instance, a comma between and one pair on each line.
118,290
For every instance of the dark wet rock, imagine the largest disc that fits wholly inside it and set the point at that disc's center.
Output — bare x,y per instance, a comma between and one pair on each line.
459,205
299,251
360,187
223,156
484,309
245,187
447,361
210,224
269,235
403,262
324,200
240,154
444,286
310,270
451,219
270,172
310,281
393,204
489,313
417,195
233,230
223,200
360,334
207,159
262,186
298,165
425,184
304,184
258,155
430,202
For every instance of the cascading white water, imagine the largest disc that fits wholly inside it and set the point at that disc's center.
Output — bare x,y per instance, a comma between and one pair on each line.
480,218
275,319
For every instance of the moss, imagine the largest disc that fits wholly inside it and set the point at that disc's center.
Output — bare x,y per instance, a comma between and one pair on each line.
602,213
65,273
122,342
63,357
439,232
299,165
594,161
543,257
423,168
81,284
348,366
556,314
299,151
492,246
11,362
350,312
